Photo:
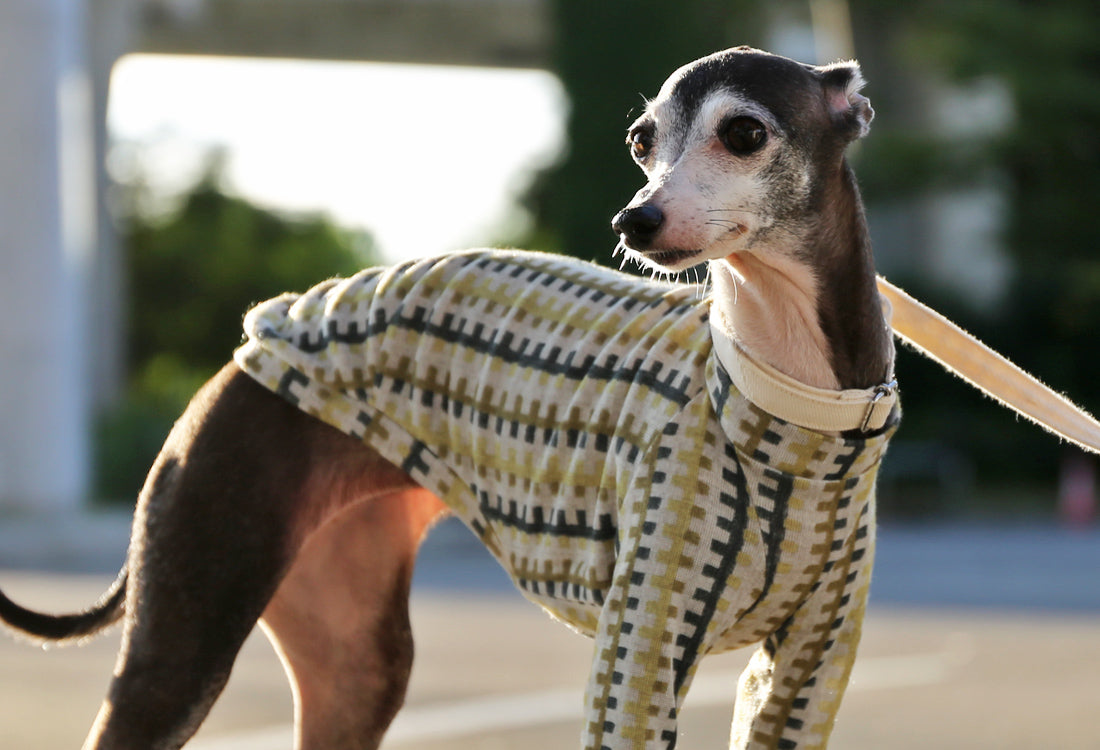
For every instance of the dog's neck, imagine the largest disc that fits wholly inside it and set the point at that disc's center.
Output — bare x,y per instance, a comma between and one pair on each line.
770,304
812,310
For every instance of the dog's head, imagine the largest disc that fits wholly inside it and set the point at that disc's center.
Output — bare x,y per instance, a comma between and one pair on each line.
737,147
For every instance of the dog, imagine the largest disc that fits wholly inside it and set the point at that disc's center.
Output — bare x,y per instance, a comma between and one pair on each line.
669,472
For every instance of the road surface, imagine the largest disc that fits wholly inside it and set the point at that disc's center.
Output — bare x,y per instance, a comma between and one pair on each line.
977,638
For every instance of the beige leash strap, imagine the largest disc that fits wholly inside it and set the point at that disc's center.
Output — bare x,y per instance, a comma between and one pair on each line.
958,352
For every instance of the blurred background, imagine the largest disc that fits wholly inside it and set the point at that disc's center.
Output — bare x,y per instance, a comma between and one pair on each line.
166,163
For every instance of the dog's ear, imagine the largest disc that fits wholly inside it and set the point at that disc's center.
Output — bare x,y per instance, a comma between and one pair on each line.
849,109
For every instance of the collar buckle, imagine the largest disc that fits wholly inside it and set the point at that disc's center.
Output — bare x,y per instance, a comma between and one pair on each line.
881,392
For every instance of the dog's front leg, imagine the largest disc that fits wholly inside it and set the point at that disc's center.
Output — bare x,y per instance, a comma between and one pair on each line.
790,692
649,636
641,669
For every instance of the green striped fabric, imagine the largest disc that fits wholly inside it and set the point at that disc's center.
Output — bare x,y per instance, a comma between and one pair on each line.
577,420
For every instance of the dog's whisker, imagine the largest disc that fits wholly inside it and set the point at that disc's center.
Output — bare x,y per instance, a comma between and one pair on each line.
700,287
702,279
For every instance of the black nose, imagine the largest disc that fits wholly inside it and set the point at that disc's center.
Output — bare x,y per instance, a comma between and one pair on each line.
639,225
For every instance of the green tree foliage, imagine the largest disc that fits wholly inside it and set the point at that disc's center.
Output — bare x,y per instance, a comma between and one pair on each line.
192,276
1048,54
1046,162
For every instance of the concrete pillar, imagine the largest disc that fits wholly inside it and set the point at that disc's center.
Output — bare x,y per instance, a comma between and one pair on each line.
47,235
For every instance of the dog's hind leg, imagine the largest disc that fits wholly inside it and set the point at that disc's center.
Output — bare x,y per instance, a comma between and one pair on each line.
219,522
340,621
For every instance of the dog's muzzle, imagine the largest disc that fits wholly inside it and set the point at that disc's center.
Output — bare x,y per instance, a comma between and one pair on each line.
639,225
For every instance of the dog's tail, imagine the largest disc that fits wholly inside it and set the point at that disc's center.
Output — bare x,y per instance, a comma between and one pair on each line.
69,627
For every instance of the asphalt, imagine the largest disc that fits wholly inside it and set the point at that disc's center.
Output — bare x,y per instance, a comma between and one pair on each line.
978,637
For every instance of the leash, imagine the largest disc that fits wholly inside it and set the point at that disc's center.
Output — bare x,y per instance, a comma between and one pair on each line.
958,352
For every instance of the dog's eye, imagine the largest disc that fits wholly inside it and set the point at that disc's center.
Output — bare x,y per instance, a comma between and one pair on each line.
641,143
743,135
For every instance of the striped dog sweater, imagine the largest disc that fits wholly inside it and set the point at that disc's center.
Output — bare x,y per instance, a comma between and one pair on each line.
582,423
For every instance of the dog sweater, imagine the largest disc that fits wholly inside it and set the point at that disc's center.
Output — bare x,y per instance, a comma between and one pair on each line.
581,423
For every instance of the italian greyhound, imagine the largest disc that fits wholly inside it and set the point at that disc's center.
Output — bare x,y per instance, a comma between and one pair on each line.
670,473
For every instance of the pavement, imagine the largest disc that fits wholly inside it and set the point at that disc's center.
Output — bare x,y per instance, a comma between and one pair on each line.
978,637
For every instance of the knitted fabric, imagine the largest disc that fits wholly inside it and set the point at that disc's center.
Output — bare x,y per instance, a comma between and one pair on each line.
578,421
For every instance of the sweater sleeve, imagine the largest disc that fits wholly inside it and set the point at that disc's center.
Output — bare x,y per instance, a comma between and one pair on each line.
640,668
790,692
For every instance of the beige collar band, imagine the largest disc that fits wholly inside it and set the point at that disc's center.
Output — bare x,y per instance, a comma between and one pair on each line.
782,396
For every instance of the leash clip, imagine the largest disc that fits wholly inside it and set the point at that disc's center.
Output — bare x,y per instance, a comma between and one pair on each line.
881,391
